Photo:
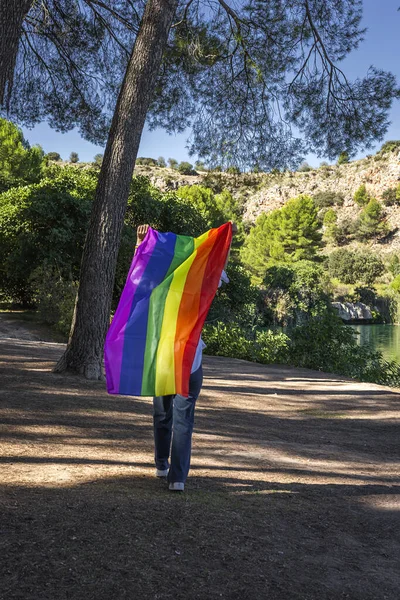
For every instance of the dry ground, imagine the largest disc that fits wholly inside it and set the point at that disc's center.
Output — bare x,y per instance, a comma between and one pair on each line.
293,493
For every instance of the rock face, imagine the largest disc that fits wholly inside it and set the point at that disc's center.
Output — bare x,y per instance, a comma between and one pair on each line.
378,173
356,311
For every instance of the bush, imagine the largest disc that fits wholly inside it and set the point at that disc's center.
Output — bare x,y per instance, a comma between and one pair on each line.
233,341
328,198
53,156
73,157
395,285
389,197
343,158
353,266
361,196
185,168
149,162
98,159
233,170
161,162
326,344
54,297
390,146
304,167
44,223
295,292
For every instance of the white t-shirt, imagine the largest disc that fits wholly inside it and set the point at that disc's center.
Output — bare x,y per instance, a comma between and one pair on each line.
198,357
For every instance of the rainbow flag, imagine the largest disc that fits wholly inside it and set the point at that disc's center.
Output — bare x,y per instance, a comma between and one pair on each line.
153,337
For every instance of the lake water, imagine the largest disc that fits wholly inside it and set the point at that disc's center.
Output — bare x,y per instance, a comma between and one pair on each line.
385,338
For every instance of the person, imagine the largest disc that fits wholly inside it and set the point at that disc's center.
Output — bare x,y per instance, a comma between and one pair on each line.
173,415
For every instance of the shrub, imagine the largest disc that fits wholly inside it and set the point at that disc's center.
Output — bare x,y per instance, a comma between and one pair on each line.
304,167
326,344
389,197
186,168
233,170
343,158
390,146
173,163
330,225
44,222
149,162
328,198
395,285
53,156
98,159
352,267
161,162
234,341
361,196
73,157
54,297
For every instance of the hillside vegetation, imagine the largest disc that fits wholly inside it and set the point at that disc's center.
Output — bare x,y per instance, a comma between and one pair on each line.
288,264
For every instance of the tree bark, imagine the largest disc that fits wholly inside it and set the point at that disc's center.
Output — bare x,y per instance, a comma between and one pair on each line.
12,15
84,352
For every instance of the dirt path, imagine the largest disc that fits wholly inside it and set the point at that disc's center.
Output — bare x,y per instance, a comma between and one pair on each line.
293,494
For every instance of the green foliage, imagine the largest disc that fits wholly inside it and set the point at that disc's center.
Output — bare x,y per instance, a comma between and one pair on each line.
149,162
53,156
304,168
238,301
54,297
390,146
186,168
161,162
395,285
351,266
233,170
74,157
98,159
389,196
215,209
295,292
371,223
328,198
164,212
330,225
361,196
173,163
394,264
326,344
343,158
19,164
44,223
234,341
288,234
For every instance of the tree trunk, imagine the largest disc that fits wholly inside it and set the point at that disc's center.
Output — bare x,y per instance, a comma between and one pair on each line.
84,352
12,15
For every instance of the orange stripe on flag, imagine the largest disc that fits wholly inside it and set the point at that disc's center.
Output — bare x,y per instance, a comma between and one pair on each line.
189,307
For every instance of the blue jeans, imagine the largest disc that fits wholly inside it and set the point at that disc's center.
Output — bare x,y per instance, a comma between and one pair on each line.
173,419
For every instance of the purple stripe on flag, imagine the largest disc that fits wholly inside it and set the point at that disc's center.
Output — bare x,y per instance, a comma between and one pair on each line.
114,345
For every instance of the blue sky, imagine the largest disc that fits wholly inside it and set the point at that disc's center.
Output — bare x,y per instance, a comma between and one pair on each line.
380,49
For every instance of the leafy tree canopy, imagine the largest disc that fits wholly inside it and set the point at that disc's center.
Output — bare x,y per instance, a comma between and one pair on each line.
240,77
288,234
19,163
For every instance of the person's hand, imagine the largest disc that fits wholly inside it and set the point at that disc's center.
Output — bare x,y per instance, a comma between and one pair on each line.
141,233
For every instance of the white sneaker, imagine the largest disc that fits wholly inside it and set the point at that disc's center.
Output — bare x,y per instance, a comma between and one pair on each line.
162,472
178,486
